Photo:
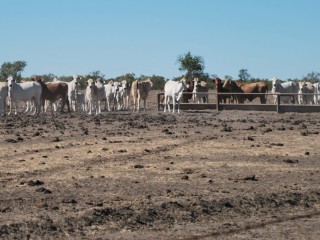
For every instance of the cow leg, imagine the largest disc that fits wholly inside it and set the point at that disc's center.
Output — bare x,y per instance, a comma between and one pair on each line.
10,107
98,111
173,104
138,104
145,104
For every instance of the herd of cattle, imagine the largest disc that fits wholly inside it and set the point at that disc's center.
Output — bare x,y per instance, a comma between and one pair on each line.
38,96
238,92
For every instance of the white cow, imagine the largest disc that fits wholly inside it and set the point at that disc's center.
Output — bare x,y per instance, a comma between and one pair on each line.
73,89
316,96
29,104
110,89
306,89
95,93
285,88
24,92
125,94
3,98
173,90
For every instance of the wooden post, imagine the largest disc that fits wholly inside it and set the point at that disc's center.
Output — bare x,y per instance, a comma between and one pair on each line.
159,103
218,104
278,102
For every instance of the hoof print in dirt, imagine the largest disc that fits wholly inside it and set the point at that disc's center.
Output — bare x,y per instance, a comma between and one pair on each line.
56,139
167,131
185,177
35,183
250,178
249,138
266,130
187,171
70,201
291,161
44,190
11,141
138,166
226,129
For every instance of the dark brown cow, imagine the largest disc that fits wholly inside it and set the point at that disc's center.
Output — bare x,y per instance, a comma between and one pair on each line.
186,97
54,91
239,87
220,89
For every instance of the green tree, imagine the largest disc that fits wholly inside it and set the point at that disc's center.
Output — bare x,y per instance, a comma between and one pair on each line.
130,77
193,65
312,77
244,75
95,75
12,69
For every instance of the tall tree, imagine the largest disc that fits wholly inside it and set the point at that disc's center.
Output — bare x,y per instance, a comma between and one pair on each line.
194,65
12,69
244,75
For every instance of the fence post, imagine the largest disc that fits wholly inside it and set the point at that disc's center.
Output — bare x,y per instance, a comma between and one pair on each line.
158,99
218,104
278,102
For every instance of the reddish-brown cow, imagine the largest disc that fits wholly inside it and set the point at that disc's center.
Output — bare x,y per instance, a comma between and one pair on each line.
239,87
54,91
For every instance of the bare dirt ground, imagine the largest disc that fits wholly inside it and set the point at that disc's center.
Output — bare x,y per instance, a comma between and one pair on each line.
196,175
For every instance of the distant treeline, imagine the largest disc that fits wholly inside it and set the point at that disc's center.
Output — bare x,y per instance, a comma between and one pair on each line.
193,65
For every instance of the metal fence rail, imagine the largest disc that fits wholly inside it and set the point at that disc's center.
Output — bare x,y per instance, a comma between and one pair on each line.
216,105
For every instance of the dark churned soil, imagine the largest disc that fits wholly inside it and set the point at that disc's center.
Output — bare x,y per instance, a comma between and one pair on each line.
150,175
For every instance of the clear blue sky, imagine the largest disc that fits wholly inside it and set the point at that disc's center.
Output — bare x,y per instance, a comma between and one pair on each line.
65,37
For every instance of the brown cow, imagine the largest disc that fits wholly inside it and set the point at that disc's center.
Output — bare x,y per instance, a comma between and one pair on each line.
220,89
54,91
239,87
186,97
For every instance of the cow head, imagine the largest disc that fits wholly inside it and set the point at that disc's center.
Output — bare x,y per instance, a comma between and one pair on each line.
274,84
227,84
90,83
180,88
10,80
302,86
